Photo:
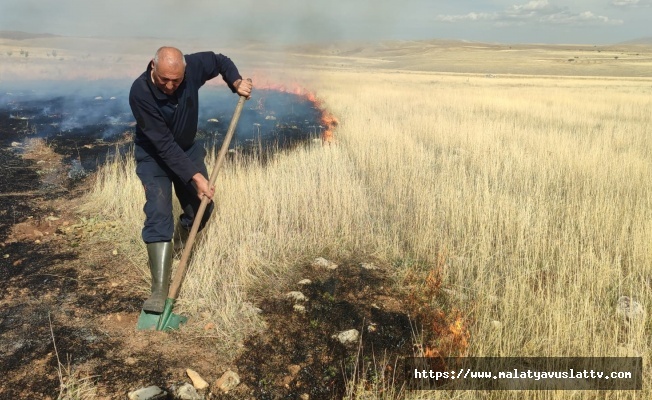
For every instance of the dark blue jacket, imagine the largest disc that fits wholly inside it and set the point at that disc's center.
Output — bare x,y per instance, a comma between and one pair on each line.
167,125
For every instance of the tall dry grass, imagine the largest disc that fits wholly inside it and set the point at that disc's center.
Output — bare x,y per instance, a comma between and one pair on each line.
538,191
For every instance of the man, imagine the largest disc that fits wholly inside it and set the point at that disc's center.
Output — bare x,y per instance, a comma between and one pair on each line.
164,101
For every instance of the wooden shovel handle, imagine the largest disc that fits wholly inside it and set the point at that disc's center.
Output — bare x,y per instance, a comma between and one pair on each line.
180,273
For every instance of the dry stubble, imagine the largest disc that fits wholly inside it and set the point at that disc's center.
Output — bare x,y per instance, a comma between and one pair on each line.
537,190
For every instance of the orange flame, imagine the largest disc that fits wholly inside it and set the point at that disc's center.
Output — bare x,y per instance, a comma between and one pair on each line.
327,120
446,333
452,337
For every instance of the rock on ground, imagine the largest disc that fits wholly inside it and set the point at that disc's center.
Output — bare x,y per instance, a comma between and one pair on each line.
148,393
321,262
630,309
197,381
347,337
228,381
188,392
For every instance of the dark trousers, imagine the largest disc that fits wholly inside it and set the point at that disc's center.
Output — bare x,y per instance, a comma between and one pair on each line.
158,181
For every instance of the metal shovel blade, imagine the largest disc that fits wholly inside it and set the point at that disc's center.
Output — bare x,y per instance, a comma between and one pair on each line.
165,321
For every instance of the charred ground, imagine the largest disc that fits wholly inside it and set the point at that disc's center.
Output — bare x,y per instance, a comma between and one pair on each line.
69,303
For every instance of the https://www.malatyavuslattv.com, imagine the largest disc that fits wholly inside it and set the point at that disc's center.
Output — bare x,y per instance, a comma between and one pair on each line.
518,373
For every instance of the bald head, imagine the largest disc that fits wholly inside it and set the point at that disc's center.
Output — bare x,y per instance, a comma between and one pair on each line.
169,56
168,69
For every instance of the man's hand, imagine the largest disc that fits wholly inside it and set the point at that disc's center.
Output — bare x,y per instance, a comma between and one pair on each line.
201,184
243,87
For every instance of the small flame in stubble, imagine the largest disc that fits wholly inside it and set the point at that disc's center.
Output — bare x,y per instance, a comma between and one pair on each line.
327,120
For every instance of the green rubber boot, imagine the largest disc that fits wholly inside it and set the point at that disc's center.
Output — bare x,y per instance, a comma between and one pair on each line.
160,265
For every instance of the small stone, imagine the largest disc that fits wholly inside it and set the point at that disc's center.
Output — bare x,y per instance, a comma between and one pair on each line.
228,381
347,337
368,266
496,324
296,296
131,360
373,327
305,282
630,309
188,392
285,381
114,252
299,308
5,256
197,381
52,218
304,396
91,338
37,241
148,393
324,263
294,369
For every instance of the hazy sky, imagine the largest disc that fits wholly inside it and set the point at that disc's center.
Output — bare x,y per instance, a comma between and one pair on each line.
283,21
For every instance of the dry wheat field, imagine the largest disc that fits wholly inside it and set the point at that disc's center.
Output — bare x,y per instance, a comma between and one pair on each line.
532,195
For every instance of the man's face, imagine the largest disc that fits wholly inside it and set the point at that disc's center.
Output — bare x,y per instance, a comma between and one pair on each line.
167,77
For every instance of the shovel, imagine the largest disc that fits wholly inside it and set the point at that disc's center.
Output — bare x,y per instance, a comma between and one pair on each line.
167,320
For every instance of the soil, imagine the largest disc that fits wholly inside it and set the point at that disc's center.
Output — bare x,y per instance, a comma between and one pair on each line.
298,354
68,308
60,290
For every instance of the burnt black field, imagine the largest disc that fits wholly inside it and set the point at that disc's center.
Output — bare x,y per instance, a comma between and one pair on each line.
88,122
99,112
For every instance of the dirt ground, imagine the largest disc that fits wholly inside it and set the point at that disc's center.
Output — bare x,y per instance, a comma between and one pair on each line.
69,309
63,287
68,304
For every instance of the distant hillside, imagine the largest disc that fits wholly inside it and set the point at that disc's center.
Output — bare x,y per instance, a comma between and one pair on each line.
644,40
18,35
